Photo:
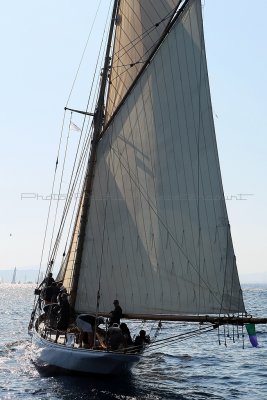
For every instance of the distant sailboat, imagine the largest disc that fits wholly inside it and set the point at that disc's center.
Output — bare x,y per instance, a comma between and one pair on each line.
14,276
152,228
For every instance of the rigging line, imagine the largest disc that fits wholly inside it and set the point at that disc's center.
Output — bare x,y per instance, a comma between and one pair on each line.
79,191
50,202
71,192
98,125
128,65
76,172
88,102
65,213
144,34
166,341
74,212
140,61
83,53
72,189
86,108
60,185
140,38
90,93
101,51
181,337
153,207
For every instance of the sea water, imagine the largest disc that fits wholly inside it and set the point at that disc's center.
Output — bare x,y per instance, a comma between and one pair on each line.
208,366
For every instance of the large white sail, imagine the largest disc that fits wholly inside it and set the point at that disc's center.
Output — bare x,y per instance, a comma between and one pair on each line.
140,25
158,236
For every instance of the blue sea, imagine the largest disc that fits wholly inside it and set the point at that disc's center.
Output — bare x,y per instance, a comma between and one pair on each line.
209,366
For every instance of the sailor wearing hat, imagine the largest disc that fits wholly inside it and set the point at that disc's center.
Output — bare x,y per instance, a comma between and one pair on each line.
116,314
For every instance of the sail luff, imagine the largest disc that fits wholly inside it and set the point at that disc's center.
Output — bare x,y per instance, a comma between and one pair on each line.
98,124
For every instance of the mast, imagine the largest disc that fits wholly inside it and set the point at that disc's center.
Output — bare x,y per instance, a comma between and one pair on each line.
98,125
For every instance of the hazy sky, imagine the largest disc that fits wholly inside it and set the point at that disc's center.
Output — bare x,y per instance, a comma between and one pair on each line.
41,47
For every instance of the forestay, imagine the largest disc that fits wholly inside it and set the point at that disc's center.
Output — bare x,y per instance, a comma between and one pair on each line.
158,236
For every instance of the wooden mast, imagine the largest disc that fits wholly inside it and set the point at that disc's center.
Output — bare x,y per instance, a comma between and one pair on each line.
98,125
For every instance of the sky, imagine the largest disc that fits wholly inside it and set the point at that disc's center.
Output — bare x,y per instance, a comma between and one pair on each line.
41,47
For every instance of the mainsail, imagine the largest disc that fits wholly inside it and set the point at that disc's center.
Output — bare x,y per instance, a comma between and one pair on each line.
157,235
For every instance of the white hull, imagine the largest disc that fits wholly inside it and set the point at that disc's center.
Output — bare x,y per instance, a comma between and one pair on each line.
48,354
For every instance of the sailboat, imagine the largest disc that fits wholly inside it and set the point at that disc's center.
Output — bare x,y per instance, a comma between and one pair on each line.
14,276
151,228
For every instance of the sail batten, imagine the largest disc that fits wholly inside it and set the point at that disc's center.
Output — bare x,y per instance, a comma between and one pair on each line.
158,236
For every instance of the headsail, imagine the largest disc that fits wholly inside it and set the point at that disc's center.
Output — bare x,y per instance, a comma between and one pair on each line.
140,25
158,236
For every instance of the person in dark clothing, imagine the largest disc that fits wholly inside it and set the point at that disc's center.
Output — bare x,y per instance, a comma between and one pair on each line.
56,290
62,290
126,333
142,339
47,281
47,294
64,315
50,293
51,315
116,314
